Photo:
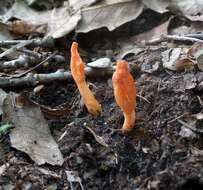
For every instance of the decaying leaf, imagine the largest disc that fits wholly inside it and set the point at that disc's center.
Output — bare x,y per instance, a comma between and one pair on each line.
4,32
128,49
31,133
196,52
22,11
193,51
149,67
102,63
62,22
99,139
184,63
22,28
72,176
41,3
159,6
152,34
169,58
97,16
190,81
190,9
76,5
3,95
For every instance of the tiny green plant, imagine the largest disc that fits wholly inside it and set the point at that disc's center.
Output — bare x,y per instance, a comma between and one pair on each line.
4,128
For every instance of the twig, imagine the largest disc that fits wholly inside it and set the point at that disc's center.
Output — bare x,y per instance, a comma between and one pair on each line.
33,68
99,139
30,53
28,60
195,130
165,38
15,47
178,117
21,61
181,38
45,42
33,79
198,36
145,99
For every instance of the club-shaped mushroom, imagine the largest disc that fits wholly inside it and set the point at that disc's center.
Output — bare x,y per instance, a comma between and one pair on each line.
78,73
125,94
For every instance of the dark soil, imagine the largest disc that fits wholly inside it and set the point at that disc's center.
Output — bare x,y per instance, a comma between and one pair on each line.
154,156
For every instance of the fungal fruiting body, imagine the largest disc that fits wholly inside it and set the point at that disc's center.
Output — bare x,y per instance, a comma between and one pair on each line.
78,73
125,94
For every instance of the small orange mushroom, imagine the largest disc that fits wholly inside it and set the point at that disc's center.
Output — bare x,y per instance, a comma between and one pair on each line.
78,73
125,94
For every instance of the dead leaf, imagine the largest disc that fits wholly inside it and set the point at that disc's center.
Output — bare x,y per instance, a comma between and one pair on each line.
5,33
169,58
49,173
196,52
159,6
191,9
184,63
3,95
48,4
99,139
76,5
110,14
102,63
152,34
62,22
128,49
22,11
190,81
22,28
149,67
193,50
195,27
31,133
72,176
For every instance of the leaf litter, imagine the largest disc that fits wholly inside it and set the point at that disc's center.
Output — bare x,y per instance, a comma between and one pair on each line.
165,149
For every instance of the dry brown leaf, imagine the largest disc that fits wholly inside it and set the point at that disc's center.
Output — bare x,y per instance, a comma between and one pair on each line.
189,8
152,34
22,28
159,6
31,133
110,14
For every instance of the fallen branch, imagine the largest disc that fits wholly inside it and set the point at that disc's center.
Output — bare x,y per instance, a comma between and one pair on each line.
33,68
193,129
33,79
47,42
28,60
165,38
21,61
44,42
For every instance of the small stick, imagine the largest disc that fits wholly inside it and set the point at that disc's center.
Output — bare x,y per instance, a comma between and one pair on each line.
33,68
22,60
44,42
198,131
15,47
198,36
33,79
181,38
28,60
165,38
30,53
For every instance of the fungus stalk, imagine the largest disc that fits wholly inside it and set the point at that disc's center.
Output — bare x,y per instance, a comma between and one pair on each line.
125,94
78,74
